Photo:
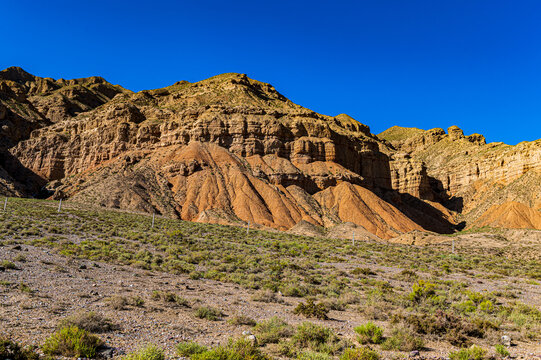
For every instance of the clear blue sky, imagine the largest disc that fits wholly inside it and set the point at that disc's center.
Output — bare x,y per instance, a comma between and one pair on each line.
431,63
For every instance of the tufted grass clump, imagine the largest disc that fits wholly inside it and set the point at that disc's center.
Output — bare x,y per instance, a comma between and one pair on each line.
369,333
362,353
315,337
422,289
272,331
149,352
89,321
14,351
209,313
72,342
472,353
189,348
310,309
501,350
234,350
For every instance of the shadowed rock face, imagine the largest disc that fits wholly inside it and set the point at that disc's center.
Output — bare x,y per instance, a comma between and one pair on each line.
28,103
227,149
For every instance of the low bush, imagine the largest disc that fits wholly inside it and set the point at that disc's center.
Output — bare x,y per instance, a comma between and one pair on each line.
362,353
238,320
117,302
362,271
313,355
234,350
501,350
402,339
209,313
89,321
422,289
310,336
14,351
72,342
272,331
149,352
472,353
189,348
369,333
169,297
312,310
267,296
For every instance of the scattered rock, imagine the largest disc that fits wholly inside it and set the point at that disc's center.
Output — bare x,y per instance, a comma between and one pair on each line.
506,340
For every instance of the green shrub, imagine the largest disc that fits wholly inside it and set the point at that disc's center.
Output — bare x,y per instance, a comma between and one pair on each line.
422,289
117,302
238,320
501,350
486,306
13,351
25,288
149,352
72,342
209,313
8,265
472,353
402,339
313,355
272,331
317,338
186,349
170,297
234,350
362,353
312,310
362,271
369,333
89,321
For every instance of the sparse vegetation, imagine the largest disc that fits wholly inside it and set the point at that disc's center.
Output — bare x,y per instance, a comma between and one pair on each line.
190,348
419,297
369,333
72,342
209,313
310,309
149,352
89,321
14,351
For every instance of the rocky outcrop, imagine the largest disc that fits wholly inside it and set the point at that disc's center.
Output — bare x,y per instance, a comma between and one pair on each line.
28,103
469,175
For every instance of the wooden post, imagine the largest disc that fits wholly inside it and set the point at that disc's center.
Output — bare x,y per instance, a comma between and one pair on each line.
5,203
353,239
248,228
153,219
60,205
453,245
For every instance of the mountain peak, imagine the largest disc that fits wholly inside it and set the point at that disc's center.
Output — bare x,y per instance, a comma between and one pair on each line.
17,74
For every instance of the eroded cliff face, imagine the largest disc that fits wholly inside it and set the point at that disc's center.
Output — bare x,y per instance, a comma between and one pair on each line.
28,103
474,176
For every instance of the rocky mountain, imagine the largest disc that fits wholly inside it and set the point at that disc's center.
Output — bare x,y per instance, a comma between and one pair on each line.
28,103
231,149
487,184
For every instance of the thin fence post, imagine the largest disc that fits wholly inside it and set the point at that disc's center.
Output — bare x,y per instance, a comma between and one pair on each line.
60,205
353,239
153,219
248,228
5,203
453,245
